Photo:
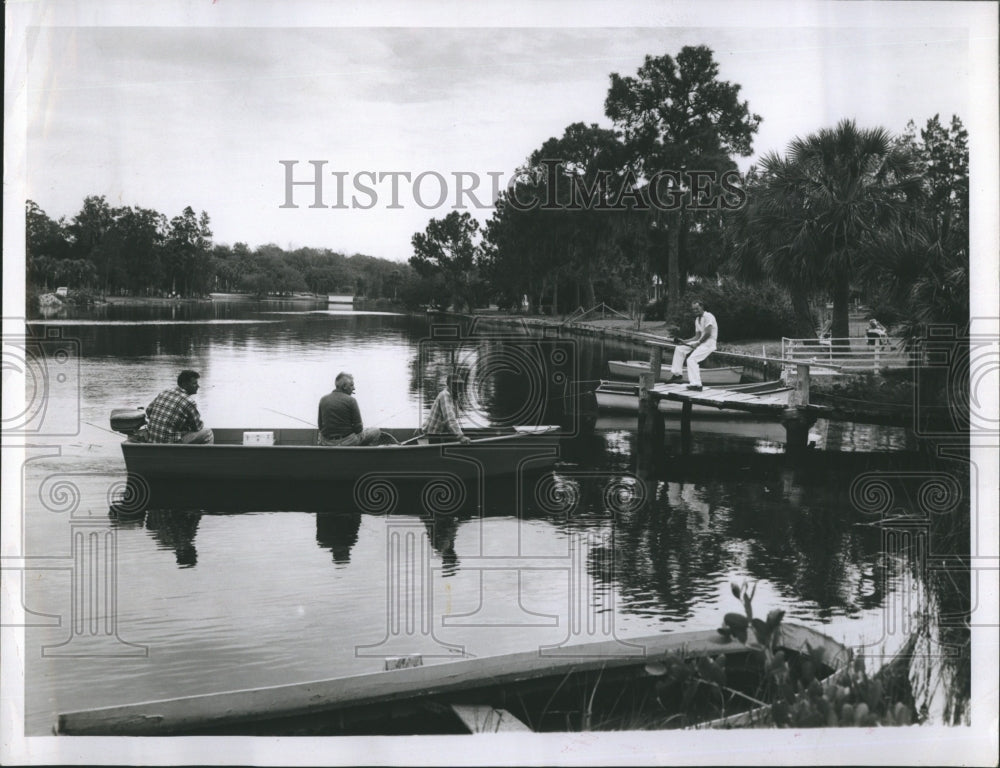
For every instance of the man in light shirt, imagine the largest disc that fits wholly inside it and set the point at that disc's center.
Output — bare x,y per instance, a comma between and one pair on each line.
695,349
443,418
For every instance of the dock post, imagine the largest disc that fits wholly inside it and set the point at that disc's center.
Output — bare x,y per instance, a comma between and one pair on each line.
800,394
650,428
656,362
795,418
796,422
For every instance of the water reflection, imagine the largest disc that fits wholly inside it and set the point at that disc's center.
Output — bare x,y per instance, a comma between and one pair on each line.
441,532
675,537
510,379
175,529
664,549
338,532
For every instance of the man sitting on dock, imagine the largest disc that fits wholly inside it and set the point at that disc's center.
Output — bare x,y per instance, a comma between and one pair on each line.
695,349
443,418
340,418
173,417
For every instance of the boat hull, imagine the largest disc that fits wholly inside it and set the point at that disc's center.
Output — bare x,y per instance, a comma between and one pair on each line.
624,398
295,457
631,369
339,705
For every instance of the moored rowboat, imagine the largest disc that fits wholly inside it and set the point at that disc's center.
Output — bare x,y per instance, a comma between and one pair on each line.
620,396
604,684
630,369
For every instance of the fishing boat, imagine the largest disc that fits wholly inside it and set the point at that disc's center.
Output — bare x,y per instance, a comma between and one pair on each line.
620,396
608,685
283,455
630,369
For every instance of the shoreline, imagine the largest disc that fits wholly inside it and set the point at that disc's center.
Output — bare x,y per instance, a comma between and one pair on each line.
152,301
162,301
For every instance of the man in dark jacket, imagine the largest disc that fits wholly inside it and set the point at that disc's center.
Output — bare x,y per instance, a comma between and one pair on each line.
340,418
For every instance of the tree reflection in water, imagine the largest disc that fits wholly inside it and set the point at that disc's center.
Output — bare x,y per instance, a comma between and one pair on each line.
805,531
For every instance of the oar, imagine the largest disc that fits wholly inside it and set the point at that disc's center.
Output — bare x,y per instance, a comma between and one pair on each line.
415,437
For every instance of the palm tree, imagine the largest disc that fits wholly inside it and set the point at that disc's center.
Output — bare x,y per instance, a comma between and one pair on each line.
920,273
812,213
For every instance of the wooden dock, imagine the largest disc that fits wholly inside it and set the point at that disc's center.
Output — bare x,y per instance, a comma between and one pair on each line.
768,405
792,407
783,405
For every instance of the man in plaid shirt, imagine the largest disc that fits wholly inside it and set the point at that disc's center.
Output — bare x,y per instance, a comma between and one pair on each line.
443,418
173,417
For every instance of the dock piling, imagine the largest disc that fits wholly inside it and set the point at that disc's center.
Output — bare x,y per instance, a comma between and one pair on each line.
795,418
686,427
800,392
650,426
796,422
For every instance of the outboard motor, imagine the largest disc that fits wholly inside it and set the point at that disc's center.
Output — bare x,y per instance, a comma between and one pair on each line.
128,421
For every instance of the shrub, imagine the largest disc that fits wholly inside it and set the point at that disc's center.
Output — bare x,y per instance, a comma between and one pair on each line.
890,386
81,297
849,697
429,291
744,311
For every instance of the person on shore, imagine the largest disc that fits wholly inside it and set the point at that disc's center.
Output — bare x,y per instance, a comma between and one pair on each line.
173,417
340,418
695,349
876,333
443,418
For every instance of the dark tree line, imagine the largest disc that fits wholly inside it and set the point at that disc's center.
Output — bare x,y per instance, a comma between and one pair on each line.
137,251
594,214
601,214
854,211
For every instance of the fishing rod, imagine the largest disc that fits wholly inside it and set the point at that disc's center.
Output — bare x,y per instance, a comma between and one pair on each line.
288,415
391,416
96,426
311,424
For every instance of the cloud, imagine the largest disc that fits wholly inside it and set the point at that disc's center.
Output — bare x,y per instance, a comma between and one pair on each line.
169,116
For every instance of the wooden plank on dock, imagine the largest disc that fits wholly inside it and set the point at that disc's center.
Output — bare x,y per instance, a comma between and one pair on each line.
778,398
770,404
482,718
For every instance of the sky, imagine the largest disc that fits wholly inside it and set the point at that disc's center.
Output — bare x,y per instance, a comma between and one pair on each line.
176,110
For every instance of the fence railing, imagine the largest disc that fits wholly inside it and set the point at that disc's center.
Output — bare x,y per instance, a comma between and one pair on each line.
847,355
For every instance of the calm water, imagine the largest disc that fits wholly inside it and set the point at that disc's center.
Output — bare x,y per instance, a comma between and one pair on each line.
204,600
